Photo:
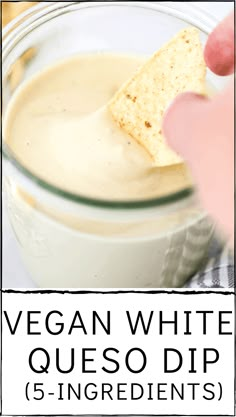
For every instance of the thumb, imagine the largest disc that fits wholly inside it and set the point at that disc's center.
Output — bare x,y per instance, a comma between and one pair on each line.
182,123
201,130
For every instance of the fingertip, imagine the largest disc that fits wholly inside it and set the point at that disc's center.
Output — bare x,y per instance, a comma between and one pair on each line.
219,49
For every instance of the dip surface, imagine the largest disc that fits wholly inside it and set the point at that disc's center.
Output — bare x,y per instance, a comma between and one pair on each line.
58,127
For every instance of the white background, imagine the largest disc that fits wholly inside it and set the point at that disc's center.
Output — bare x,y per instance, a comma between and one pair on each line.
14,273
16,350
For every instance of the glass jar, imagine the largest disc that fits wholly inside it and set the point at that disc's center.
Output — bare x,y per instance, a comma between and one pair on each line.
69,240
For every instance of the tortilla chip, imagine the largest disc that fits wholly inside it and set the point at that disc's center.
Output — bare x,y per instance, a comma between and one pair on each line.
139,105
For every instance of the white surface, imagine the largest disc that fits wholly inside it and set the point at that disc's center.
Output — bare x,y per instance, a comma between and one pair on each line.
218,9
14,273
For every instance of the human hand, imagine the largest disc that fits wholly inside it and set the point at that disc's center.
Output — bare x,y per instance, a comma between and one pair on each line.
202,131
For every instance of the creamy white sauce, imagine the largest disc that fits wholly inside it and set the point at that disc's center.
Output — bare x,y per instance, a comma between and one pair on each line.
58,126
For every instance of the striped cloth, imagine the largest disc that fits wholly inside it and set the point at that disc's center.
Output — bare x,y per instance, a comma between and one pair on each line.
217,271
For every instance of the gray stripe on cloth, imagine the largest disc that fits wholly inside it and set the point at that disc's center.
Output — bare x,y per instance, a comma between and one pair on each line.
218,272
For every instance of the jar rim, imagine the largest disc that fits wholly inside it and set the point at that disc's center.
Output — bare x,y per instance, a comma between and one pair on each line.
199,18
